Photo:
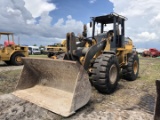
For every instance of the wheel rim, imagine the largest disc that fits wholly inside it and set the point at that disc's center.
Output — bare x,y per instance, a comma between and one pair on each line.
135,67
18,59
113,74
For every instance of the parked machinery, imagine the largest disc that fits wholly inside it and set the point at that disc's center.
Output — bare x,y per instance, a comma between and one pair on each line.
152,52
56,49
11,53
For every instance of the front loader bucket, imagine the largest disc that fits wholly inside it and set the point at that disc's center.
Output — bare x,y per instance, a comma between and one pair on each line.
58,85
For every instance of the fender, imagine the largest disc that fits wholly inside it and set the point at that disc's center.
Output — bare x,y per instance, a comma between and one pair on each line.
92,51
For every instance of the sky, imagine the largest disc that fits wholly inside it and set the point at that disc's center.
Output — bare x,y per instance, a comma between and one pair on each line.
44,22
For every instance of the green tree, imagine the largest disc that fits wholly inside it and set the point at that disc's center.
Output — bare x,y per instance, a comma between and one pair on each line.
34,44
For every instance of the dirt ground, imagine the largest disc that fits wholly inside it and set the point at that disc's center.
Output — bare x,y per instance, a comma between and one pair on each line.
4,67
131,101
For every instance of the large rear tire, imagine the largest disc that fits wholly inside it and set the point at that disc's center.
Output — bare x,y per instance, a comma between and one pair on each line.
50,55
131,71
8,62
16,58
104,75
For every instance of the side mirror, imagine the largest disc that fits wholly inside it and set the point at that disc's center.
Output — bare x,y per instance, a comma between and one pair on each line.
90,24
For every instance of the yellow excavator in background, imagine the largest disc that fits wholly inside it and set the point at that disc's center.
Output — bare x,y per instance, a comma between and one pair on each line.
11,53
64,85
56,49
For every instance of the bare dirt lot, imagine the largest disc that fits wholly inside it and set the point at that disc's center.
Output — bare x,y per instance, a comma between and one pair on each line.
131,101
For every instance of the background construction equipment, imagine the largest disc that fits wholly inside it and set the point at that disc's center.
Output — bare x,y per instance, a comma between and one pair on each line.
11,53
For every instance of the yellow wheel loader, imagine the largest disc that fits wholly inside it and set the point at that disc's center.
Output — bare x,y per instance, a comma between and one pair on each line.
64,85
11,53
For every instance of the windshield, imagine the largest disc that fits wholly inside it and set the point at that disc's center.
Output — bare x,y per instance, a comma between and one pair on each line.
106,28
5,38
36,49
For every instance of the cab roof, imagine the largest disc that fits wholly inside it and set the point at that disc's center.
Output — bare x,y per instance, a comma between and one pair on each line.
106,19
6,33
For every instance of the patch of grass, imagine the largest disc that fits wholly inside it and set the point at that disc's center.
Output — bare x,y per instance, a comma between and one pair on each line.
149,69
38,56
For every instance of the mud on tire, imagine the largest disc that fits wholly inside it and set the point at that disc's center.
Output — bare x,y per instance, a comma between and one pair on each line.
104,74
131,71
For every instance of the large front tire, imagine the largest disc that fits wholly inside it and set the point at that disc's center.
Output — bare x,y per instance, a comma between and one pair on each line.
131,71
50,55
16,59
105,73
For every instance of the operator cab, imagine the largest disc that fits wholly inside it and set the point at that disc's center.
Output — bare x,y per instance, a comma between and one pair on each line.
118,31
75,51
10,38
